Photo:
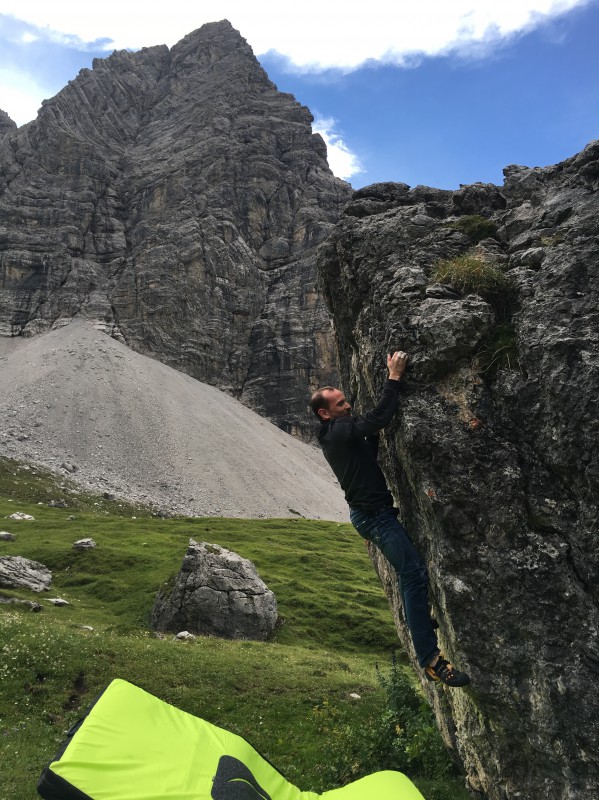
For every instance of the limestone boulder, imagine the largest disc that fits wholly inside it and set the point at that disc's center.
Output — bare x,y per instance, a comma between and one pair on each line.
30,604
217,592
84,544
17,572
493,457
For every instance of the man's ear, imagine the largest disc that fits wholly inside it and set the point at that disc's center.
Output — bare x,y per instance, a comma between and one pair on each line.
324,415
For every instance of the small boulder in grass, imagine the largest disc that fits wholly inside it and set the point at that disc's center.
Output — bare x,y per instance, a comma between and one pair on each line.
5,536
19,515
185,636
84,544
17,572
58,601
216,593
17,601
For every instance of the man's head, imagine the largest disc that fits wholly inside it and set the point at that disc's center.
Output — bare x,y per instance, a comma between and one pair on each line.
329,403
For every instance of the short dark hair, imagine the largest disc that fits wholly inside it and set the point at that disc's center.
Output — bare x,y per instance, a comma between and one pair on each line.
318,400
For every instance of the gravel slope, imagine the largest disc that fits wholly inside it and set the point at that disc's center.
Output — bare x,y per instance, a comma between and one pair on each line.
143,431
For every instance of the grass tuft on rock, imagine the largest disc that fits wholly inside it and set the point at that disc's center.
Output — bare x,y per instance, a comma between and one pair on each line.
499,350
470,273
475,227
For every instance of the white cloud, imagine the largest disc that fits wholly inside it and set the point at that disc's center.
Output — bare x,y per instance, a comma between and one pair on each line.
20,96
312,34
342,160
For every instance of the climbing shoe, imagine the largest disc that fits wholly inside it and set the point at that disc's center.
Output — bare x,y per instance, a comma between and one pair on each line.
443,672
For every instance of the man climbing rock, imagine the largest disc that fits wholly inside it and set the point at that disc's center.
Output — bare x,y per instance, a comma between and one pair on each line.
350,445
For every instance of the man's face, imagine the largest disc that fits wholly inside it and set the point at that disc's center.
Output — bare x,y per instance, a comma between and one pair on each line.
338,406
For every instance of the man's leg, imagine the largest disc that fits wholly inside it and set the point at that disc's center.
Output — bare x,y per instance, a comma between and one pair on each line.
384,529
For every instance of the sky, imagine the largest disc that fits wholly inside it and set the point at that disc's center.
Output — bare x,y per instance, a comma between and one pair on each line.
432,92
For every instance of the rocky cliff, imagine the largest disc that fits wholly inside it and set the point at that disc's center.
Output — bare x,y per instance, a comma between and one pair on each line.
6,123
493,457
175,197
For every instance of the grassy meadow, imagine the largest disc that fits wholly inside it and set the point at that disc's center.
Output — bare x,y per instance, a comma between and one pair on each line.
290,697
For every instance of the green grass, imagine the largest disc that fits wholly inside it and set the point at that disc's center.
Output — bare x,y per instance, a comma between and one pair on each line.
289,697
32,484
499,350
470,272
475,227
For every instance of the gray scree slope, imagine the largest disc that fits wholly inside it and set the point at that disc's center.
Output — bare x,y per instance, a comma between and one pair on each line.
142,430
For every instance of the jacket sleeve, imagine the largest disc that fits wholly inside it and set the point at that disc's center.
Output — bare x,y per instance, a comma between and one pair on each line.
381,414
373,443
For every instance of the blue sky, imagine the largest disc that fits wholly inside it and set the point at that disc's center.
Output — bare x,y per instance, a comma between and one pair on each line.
442,93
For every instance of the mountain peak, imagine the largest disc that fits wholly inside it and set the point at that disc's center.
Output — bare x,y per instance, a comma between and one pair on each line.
187,195
6,123
211,43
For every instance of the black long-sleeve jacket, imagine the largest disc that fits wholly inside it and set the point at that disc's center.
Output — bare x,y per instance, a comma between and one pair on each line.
350,445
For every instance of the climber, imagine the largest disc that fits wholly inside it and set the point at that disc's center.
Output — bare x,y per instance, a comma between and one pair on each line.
350,445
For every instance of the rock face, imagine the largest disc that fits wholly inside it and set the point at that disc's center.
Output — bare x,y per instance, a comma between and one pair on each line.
17,572
6,123
175,197
493,456
216,592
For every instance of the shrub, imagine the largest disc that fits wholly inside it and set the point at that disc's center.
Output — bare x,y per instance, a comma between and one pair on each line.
416,743
470,272
475,227
500,349
401,735
553,241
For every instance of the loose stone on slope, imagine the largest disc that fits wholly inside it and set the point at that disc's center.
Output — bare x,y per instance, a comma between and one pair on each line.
84,544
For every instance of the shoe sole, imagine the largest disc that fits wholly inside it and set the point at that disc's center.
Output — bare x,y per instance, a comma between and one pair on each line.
436,679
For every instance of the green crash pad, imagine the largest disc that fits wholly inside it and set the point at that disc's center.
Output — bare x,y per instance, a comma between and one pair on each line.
133,746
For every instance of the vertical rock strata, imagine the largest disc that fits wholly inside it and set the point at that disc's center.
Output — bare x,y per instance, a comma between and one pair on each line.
176,197
493,457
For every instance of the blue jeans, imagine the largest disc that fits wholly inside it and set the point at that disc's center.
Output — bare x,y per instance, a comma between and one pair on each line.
384,530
